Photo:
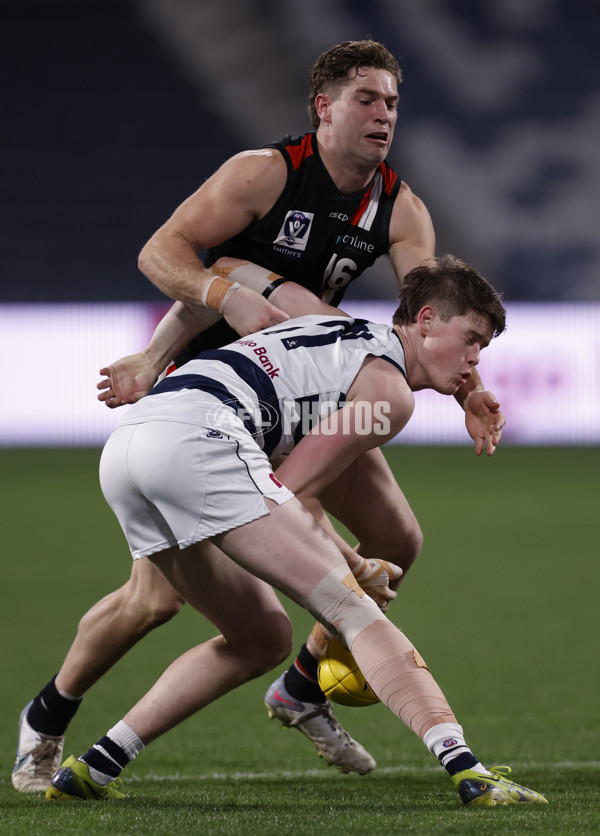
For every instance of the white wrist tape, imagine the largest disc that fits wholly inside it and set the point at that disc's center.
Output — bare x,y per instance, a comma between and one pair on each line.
206,288
216,293
228,295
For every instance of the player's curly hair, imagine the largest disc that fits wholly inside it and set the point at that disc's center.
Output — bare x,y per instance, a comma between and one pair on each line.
453,289
336,66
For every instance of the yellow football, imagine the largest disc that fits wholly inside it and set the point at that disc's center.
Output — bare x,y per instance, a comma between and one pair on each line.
340,678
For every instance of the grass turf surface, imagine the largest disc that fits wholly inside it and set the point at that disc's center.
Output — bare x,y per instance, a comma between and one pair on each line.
502,604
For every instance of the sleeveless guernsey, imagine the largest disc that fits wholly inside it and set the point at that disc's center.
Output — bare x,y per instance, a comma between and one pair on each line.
315,235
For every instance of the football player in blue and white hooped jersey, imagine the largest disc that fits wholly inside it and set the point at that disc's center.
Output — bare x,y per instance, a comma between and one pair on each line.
188,476
318,209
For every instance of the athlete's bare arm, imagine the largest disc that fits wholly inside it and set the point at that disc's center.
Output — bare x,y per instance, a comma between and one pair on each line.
242,189
128,379
412,238
325,452
378,577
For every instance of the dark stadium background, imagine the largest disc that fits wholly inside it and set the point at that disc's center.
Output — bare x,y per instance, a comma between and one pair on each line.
115,110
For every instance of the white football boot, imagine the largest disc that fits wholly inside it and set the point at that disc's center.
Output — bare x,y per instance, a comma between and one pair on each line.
38,757
318,722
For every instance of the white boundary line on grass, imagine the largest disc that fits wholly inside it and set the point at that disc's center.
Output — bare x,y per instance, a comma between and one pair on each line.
320,773
332,774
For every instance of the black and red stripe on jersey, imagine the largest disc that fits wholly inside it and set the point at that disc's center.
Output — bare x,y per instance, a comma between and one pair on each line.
314,234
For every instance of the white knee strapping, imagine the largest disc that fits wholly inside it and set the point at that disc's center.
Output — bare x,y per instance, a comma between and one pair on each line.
339,603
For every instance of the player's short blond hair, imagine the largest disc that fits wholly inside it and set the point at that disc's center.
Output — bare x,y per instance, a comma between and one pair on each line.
340,64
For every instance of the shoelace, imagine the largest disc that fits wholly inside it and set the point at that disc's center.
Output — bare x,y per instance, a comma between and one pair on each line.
501,772
326,711
45,750
116,783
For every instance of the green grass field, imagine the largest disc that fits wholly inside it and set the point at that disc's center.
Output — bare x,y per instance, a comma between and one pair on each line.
502,603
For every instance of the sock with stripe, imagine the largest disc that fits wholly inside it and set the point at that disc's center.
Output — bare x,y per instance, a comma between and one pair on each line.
446,741
301,678
111,754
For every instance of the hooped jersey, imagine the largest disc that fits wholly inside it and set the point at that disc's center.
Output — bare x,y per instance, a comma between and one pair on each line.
315,235
276,384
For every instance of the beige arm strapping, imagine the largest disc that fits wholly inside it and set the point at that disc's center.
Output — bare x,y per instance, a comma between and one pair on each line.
241,272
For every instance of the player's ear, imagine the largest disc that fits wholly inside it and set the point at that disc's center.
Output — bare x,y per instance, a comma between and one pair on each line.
323,106
426,319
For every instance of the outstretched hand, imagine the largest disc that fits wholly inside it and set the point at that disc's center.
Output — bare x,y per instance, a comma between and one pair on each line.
126,380
484,420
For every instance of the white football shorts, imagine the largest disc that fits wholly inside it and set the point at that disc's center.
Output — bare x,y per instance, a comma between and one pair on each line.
172,483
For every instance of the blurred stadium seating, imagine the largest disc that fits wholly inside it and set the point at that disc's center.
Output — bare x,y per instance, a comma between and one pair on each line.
116,110
105,138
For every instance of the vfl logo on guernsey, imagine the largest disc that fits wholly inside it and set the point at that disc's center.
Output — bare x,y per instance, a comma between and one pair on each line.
294,232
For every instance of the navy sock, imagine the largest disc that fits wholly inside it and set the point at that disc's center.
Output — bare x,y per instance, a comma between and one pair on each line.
466,760
106,757
50,713
301,678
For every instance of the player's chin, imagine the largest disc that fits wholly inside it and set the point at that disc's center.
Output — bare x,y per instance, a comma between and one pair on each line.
450,388
376,152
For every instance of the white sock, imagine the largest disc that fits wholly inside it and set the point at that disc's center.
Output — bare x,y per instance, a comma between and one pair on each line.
124,736
446,741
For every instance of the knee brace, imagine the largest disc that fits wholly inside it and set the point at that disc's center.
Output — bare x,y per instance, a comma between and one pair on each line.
339,603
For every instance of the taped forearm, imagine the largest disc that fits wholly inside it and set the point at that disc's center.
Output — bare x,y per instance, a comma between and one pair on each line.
231,273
